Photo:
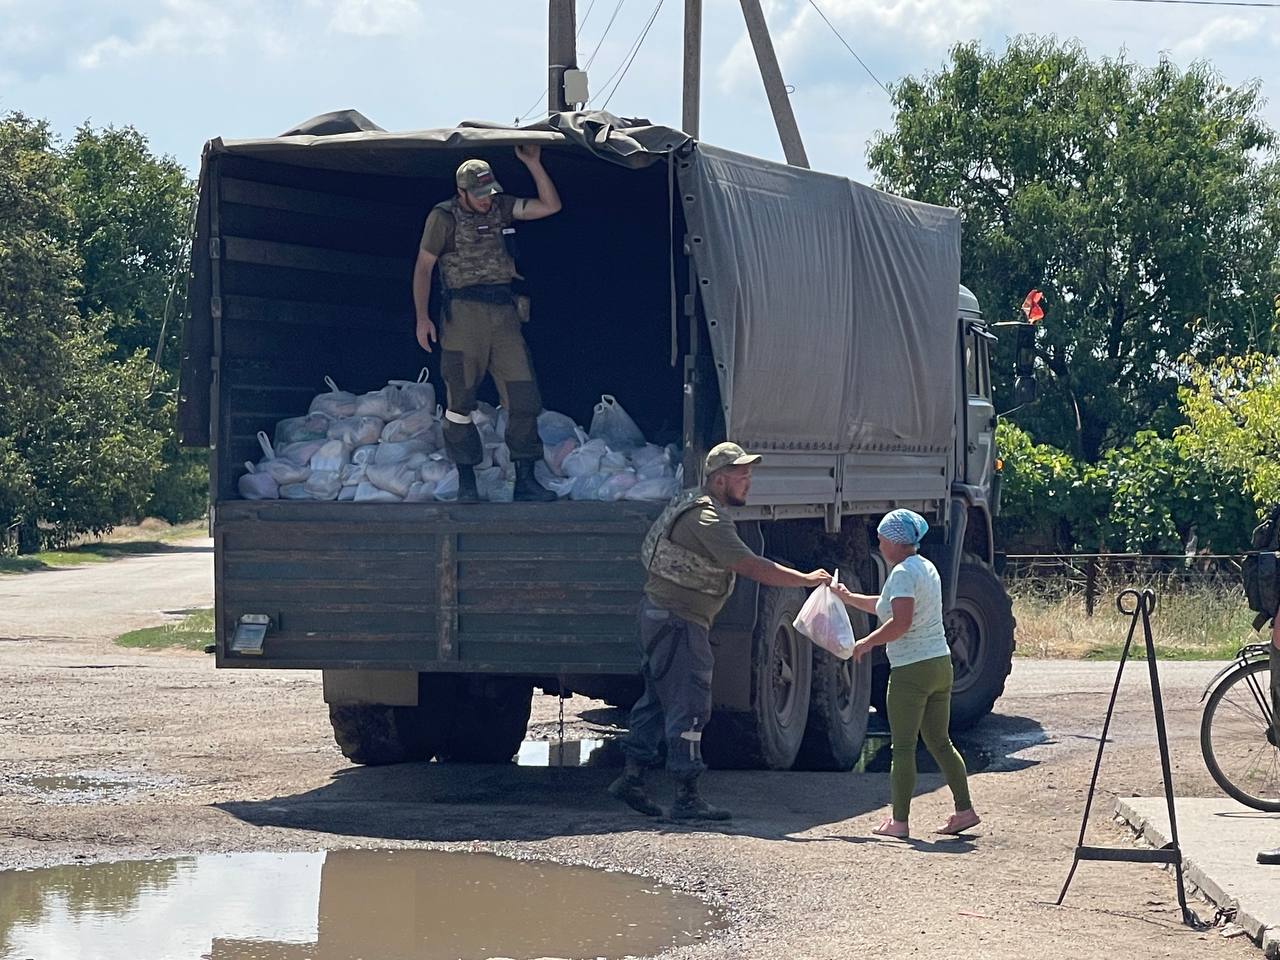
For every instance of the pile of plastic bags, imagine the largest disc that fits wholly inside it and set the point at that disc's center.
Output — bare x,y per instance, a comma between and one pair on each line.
388,446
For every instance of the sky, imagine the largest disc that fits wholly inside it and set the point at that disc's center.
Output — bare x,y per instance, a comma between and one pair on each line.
184,71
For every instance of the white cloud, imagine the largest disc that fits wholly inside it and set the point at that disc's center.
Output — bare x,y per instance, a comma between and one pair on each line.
878,29
375,18
1216,34
187,26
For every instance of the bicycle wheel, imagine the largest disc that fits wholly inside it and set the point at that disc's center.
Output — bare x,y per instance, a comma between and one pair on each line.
1239,748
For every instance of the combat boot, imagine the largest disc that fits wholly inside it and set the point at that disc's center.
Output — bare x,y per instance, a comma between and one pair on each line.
689,804
467,492
528,488
629,788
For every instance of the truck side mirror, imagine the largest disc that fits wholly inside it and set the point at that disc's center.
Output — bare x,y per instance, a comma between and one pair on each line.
1024,391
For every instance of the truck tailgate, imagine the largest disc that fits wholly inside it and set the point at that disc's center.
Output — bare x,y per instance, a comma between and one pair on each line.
503,588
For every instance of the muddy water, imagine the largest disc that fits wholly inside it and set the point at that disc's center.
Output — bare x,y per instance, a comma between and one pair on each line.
340,905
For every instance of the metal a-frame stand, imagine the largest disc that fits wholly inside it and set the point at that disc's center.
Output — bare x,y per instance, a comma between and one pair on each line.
1144,604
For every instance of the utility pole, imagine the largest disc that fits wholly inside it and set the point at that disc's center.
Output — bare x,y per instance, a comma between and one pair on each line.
562,51
774,88
692,66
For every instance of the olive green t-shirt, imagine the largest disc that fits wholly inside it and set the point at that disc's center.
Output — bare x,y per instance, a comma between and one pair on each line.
708,531
437,234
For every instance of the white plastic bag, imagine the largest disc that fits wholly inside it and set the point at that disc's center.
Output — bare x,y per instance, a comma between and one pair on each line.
257,486
825,621
356,431
314,426
348,492
435,469
368,493
282,471
364,454
613,462
332,456
585,460
418,424
447,489
323,484
588,487
420,492
614,426
385,404
554,455
647,454
415,394
492,485
294,491
352,474
616,485
655,470
399,452
395,478
555,428
336,403
661,489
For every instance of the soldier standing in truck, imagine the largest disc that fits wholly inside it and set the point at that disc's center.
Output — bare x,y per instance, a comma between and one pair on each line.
692,553
468,235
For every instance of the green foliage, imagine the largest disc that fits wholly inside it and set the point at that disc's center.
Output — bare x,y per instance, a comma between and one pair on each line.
82,434
1145,497
1142,201
1232,407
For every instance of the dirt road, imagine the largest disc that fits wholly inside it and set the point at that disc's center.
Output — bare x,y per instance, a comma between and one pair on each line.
110,754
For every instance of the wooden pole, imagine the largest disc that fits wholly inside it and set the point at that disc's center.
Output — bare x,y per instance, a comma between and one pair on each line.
562,51
774,88
692,66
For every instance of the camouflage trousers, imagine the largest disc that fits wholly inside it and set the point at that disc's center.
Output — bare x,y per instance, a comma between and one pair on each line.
485,338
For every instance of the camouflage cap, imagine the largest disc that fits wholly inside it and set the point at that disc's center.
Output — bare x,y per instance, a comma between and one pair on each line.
476,177
727,455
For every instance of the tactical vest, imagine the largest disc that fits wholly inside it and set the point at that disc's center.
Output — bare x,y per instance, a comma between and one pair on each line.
679,565
480,255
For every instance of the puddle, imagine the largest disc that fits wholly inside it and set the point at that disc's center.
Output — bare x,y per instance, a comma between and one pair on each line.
570,753
89,786
342,905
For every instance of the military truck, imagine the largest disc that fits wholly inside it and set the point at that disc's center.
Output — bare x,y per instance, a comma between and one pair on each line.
812,319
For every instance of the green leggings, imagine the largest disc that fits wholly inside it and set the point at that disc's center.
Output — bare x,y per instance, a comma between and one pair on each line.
919,702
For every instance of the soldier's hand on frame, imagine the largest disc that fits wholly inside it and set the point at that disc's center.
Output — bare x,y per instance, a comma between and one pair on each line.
426,334
529,153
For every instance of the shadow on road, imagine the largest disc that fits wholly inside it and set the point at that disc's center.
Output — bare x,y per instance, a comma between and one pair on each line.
461,802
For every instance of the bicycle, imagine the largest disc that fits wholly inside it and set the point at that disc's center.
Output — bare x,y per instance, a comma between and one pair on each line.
1237,731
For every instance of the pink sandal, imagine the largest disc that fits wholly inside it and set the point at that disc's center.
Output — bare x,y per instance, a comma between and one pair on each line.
893,828
958,823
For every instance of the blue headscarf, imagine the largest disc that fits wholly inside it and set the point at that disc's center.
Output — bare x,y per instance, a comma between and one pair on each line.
903,526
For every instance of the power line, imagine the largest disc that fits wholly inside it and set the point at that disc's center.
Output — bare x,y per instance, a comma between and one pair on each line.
635,50
607,27
863,64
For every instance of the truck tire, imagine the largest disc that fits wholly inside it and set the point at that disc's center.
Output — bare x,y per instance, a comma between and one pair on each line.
980,633
839,702
488,721
368,733
768,736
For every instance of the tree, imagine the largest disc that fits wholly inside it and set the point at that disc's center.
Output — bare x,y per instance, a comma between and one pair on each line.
1232,407
78,448
1141,200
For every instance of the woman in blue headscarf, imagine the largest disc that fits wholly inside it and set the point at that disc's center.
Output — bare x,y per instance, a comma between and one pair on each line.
919,699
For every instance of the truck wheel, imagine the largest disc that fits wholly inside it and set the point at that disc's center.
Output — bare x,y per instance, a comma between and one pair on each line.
769,735
980,633
839,702
489,720
368,733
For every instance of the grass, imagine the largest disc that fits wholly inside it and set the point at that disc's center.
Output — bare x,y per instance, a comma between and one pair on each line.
1190,623
150,536
193,632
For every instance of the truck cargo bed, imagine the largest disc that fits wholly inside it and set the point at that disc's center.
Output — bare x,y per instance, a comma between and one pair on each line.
545,589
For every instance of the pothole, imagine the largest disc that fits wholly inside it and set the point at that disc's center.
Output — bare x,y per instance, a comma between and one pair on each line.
85,786
372,904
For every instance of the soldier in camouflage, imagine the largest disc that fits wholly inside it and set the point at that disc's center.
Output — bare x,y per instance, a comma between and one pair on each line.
693,554
468,236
